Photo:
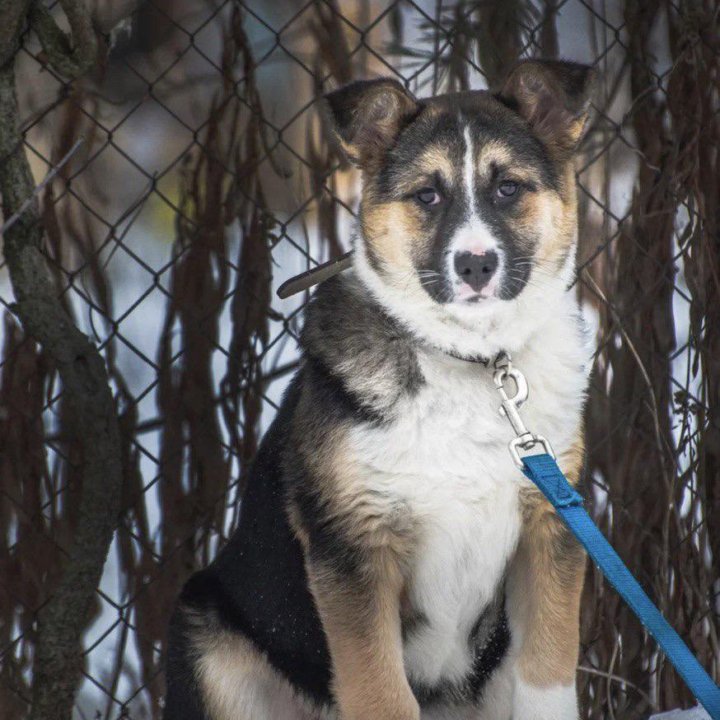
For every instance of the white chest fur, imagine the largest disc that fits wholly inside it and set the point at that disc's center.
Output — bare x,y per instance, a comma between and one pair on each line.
445,458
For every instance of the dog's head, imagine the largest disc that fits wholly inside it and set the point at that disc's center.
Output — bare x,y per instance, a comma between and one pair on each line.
468,211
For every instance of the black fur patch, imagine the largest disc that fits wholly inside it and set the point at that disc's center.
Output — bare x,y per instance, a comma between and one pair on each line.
344,323
182,694
329,384
489,641
257,586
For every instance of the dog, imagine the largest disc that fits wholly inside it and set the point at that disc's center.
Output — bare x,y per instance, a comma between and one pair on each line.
391,562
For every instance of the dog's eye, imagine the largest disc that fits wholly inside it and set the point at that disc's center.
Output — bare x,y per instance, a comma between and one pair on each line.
507,188
428,196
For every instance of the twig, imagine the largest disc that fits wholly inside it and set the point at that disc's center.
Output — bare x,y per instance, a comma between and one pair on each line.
616,678
611,666
641,366
52,174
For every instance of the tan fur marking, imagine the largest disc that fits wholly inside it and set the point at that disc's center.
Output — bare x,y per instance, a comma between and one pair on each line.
545,584
496,153
362,624
493,153
389,229
296,525
572,461
349,150
566,222
361,613
576,129
434,159
365,519
546,213
238,683
555,215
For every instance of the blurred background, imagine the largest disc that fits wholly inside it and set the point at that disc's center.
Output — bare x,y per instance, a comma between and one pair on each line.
204,179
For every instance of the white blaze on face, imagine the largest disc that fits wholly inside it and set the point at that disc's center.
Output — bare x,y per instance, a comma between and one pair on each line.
469,169
474,235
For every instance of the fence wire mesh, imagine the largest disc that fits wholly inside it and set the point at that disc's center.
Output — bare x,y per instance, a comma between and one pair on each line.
203,179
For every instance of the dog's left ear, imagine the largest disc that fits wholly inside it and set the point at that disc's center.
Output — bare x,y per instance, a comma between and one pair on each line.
367,115
554,97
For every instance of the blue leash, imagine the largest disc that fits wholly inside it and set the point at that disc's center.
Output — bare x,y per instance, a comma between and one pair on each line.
545,473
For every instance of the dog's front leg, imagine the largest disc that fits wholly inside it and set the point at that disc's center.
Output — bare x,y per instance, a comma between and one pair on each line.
360,611
544,589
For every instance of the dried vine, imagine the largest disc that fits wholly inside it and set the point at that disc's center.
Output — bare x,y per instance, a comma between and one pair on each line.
62,618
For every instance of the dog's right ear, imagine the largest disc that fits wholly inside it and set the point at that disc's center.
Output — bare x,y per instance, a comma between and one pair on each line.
367,116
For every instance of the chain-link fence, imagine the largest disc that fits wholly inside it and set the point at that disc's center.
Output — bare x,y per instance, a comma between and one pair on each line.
192,176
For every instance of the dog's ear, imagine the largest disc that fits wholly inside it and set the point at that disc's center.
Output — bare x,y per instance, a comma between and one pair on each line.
554,97
366,117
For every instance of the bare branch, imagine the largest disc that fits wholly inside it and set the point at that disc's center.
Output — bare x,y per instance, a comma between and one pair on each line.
70,56
62,620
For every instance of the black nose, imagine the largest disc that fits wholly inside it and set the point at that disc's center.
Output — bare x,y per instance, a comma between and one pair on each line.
476,270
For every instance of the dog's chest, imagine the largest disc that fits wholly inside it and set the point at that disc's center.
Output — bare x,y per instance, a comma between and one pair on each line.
444,461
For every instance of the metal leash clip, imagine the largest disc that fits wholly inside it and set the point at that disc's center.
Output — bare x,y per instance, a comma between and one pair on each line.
524,439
